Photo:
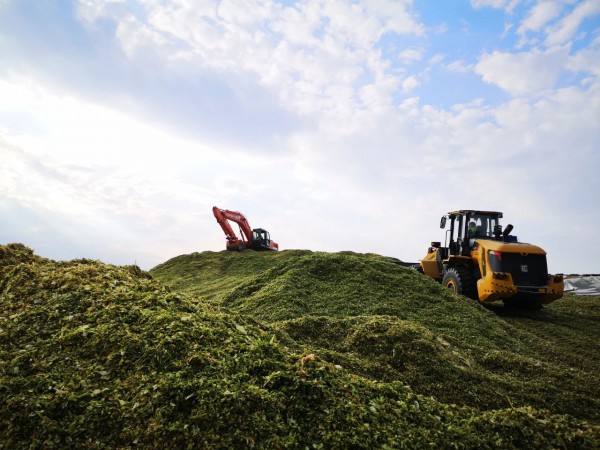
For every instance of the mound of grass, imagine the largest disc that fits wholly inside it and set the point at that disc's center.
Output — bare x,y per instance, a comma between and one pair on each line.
211,275
348,284
386,322
12,255
98,356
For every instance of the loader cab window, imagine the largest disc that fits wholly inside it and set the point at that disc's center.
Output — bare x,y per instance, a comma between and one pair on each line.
456,233
477,226
482,226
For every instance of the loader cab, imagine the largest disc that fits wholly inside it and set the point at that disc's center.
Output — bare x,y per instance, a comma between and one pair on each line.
468,225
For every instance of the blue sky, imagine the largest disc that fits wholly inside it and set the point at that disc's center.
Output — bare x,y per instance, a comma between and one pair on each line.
336,125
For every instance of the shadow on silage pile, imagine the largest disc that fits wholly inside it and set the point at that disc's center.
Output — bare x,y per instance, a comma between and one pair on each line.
98,356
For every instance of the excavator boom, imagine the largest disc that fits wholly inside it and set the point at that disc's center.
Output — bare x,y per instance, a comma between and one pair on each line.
223,217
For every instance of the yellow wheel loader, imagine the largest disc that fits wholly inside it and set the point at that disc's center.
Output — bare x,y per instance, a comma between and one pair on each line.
482,261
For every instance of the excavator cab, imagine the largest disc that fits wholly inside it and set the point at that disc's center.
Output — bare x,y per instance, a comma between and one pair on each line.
261,239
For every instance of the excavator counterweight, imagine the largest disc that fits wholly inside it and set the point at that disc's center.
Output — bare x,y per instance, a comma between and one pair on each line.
256,239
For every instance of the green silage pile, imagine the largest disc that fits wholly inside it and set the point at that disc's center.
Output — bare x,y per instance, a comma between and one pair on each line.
99,356
211,275
389,323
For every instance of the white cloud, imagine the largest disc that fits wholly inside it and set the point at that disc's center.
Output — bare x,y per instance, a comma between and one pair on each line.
566,28
436,59
506,5
313,54
522,73
410,55
459,66
540,14
79,132
410,83
586,60
92,10
137,37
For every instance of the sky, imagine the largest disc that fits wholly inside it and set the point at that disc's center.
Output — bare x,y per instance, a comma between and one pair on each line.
336,125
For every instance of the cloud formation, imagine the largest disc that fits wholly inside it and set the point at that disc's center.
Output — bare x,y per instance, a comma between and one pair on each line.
525,73
336,125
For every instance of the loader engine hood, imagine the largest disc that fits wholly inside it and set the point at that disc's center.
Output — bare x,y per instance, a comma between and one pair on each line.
510,247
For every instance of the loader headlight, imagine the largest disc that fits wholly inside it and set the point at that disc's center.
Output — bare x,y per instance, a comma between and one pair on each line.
496,254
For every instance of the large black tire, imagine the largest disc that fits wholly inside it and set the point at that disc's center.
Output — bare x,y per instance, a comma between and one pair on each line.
460,281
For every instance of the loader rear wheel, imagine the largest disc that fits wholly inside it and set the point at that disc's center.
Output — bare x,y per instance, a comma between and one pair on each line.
460,281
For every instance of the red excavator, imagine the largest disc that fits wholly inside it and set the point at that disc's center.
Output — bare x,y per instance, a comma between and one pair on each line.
256,239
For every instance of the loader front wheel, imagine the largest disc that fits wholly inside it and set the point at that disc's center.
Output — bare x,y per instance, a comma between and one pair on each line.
460,281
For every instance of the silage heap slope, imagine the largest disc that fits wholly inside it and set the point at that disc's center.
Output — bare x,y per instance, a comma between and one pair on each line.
98,356
211,275
380,320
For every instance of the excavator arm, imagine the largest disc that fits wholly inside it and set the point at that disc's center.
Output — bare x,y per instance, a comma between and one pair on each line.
223,217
